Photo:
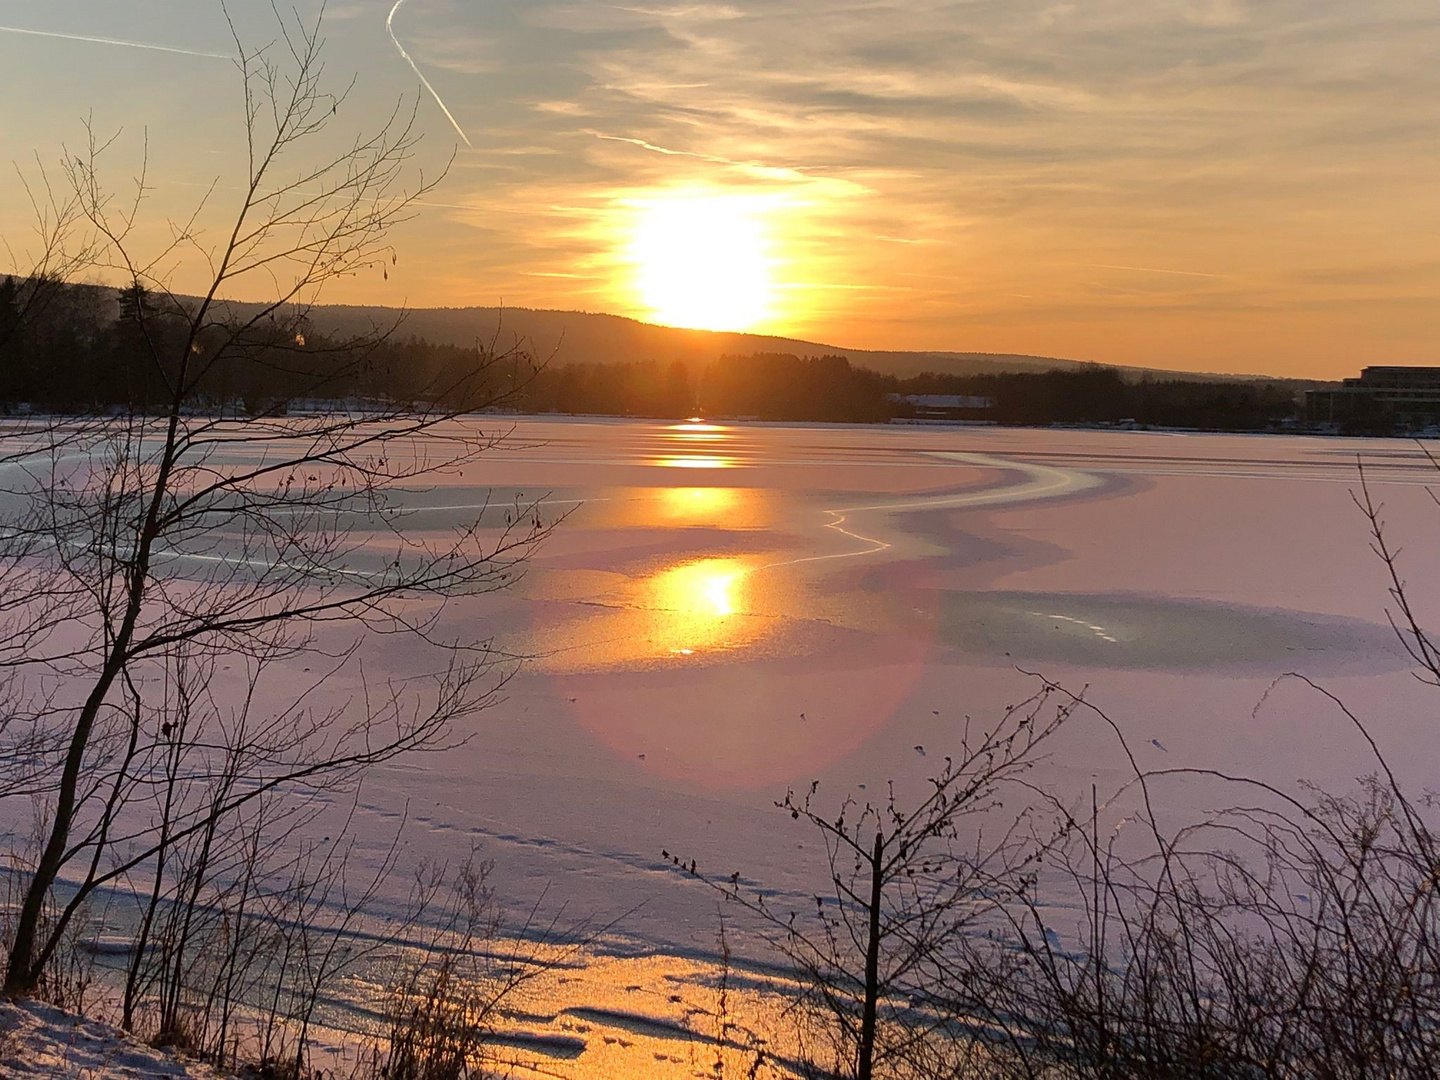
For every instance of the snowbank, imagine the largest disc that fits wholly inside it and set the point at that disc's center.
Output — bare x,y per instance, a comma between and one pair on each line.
40,1041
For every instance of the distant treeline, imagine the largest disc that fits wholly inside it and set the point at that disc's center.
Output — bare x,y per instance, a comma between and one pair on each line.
765,386
79,349
1101,395
771,386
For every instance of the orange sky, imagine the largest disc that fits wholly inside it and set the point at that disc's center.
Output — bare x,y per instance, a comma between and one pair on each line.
1222,185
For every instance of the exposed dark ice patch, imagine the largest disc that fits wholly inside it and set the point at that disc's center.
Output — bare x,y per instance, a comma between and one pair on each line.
1146,632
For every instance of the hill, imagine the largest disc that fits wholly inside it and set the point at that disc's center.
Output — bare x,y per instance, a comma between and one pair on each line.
575,336
566,337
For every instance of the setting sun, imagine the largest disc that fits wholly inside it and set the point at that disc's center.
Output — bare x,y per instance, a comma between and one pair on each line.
702,261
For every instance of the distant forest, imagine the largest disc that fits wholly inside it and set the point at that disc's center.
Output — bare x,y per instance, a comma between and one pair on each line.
80,349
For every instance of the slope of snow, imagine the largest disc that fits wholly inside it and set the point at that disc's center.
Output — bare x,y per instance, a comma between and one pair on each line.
41,1041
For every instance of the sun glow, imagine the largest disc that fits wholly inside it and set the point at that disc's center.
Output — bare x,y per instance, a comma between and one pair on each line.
702,261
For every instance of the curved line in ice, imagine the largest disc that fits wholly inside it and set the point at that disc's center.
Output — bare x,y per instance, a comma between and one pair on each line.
1041,482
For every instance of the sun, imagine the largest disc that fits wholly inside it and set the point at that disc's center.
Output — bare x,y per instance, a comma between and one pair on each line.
702,261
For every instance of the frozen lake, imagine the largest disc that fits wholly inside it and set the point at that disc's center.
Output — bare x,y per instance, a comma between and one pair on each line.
730,610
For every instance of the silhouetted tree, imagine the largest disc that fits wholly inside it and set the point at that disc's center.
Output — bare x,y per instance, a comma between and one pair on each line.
142,537
883,961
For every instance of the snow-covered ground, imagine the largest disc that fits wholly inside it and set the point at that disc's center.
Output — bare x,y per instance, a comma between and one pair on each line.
38,1042
731,610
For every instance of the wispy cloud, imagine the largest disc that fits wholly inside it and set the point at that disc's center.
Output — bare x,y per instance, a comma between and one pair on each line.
1241,183
755,168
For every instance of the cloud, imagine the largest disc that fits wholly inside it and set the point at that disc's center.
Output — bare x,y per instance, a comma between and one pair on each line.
1030,175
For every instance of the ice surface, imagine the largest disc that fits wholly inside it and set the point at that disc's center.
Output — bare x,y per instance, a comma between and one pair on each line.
814,602
730,610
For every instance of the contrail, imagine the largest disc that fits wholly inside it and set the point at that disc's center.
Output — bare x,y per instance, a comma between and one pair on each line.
112,41
754,166
390,29
1154,270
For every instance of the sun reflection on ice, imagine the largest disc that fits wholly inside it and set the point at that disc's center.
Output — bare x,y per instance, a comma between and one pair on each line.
699,504
707,455
690,608
695,604
688,461
696,429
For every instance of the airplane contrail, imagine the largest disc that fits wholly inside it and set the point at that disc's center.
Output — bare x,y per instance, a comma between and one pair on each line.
390,29
112,41
1154,270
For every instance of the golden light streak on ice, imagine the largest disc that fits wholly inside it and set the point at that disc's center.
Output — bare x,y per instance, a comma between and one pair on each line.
696,431
695,461
699,505
700,446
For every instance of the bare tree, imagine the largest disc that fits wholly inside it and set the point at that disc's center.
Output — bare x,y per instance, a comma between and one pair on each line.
882,959
62,248
173,531
1290,933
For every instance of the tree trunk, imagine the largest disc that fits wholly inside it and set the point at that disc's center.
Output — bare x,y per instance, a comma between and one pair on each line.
864,1066
22,974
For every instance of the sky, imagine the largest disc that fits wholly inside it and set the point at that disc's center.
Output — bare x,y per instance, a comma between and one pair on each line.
1216,185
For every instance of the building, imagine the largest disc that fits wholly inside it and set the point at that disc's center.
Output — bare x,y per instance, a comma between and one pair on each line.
1381,399
944,406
